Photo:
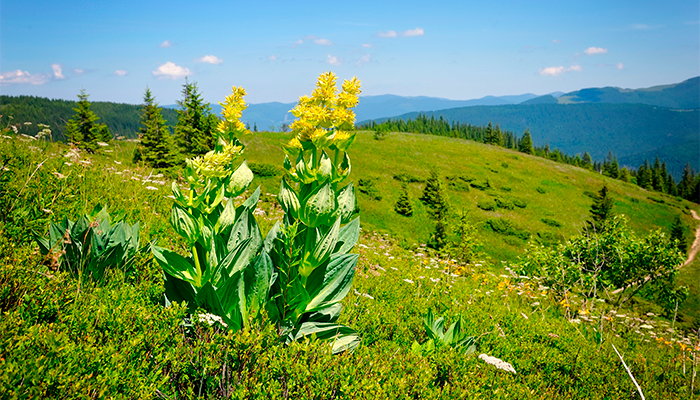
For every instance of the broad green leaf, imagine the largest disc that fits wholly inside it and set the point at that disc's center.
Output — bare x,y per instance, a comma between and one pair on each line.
179,198
245,228
251,202
234,261
288,199
175,265
318,250
347,203
341,337
319,207
240,180
226,219
179,290
184,224
348,236
207,299
325,168
336,282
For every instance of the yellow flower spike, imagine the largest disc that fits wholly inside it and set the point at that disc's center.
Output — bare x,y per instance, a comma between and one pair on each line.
232,110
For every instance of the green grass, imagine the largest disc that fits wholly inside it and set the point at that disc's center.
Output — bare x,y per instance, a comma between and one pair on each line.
58,339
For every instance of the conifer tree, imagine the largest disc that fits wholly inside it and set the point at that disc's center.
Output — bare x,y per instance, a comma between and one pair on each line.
493,136
601,210
526,143
678,234
403,205
155,147
587,161
685,186
434,197
625,175
83,129
196,125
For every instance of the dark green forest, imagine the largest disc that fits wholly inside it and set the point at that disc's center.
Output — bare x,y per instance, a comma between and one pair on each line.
121,119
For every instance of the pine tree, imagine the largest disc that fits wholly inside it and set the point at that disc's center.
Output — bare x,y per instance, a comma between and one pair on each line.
678,234
587,161
434,197
610,166
493,136
196,125
403,205
685,186
526,143
625,175
155,147
82,129
601,210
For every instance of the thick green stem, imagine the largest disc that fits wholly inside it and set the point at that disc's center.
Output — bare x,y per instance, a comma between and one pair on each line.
195,256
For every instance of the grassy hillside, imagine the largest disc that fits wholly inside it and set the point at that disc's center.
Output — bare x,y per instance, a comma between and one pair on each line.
625,129
121,119
60,337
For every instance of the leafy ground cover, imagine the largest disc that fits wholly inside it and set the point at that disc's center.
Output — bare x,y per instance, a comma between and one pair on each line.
62,338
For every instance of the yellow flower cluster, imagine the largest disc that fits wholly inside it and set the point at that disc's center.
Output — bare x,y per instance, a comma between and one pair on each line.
214,164
326,114
232,110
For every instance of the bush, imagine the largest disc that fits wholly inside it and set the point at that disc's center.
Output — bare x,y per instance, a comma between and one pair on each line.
481,185
458,185
408,178
505,227
486,204
541,190
367,187
519,203
264,170
506,188
551,222
504,203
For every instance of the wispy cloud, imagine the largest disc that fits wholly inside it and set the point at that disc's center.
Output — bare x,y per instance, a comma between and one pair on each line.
313,39
363,60
170,70
323,42
366,45
57,71
120,72
644,27
408,33
78,71
556,41
591,51
556,71
413,32
272,58
210,60
165,44
20,77
387,34
620,66
334,60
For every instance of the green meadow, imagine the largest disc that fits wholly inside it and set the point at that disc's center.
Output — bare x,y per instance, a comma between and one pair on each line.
67,338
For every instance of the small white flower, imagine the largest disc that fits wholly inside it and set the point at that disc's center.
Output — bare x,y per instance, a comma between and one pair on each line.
498,363
102,144
408,281
151,188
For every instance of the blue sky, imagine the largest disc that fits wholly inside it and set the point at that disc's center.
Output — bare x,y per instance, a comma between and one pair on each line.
452,49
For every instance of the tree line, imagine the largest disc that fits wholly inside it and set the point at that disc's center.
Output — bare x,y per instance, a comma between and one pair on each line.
648,176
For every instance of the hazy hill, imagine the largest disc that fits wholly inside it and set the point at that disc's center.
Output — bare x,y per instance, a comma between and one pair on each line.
631,131
683,95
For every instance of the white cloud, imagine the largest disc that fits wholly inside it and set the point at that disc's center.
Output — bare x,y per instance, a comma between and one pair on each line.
413,32
555,41
170,70
272,58
19,76
366,45
387,34
556,71
210,60
595,50
363,60
334,60
78,71
165,44
620,66
323,42
57,71
120,72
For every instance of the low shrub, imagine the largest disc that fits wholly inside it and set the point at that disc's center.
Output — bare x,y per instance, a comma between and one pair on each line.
264,170
481,185
541,190
368,187
505,227
552,222
408,178
486,204
505,204
519,203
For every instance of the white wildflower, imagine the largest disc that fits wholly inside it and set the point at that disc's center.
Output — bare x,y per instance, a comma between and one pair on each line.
645,326
102,144
117,162
408,281
498,363
151,188
59,175
211,319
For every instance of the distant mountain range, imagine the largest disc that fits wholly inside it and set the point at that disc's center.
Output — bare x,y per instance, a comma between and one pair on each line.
266,115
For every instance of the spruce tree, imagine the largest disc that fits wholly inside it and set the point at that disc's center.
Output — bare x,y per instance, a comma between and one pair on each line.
685,186
493,136
403,205
82,129
196,125
601,210
155,148
434,197
526,143
587,161
678,234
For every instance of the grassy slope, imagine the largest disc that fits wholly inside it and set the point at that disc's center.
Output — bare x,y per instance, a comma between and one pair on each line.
49,325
